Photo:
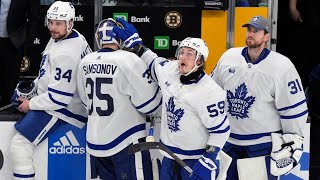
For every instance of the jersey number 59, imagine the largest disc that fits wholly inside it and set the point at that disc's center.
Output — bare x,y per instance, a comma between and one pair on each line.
100,96
216,109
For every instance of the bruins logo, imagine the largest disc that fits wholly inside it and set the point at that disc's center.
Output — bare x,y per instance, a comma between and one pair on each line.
173,19
25,64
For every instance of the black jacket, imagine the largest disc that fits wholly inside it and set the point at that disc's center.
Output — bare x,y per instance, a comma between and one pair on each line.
23,21
313,93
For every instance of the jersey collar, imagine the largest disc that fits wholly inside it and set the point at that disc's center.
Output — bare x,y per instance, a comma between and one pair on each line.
192,81
105,50
262,56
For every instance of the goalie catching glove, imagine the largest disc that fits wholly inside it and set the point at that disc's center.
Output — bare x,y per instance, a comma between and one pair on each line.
286,153
25,89
207,167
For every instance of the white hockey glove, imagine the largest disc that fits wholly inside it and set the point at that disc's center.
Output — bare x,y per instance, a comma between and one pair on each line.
286,153
207,167
25,89
129,34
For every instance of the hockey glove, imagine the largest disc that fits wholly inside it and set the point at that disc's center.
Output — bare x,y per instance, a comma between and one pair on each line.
286,153
207,167
129,34
25,89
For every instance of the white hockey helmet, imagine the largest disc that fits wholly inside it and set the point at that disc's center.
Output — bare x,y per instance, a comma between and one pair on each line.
62,11
105,34
197,44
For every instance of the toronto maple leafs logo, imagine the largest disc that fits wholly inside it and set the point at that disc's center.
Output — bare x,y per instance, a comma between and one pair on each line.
239,103
173,115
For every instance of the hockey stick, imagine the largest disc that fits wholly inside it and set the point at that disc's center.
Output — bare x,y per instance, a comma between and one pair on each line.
150,137
150,144
6,107
157,145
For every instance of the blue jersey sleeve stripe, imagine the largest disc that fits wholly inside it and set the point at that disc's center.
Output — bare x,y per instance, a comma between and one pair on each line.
292,106
294,116
23,175
119,139
185,152
57,102
72,115
251,136
150,65
155,108
84,104
220,131
152,70
60,92
150,100
155,74
218,126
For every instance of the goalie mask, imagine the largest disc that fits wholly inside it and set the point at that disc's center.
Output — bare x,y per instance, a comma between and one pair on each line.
105,34
61,11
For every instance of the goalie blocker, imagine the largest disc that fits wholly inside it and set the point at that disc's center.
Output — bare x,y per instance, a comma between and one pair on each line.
286,153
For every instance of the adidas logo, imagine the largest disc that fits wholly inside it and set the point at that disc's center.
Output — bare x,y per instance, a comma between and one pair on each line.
67,144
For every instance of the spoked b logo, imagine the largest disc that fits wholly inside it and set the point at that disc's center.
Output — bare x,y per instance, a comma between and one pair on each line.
1,159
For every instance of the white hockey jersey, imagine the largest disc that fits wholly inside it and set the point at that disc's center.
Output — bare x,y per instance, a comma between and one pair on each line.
56,82
193,114
263,97
119,93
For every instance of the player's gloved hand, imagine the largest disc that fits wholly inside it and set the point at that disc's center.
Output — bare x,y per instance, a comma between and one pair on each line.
129,34
286,153
25,89
207,167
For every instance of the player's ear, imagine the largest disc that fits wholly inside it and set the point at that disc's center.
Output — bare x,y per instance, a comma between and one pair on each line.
70,26
266,37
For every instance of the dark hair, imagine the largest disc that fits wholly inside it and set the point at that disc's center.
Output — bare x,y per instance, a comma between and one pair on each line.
203,62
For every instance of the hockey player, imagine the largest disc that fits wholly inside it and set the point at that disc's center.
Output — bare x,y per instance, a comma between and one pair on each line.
119,93
194,124
57,101
266,106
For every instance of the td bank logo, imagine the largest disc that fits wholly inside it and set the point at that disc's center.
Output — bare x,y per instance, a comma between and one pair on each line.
161,42
121,15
